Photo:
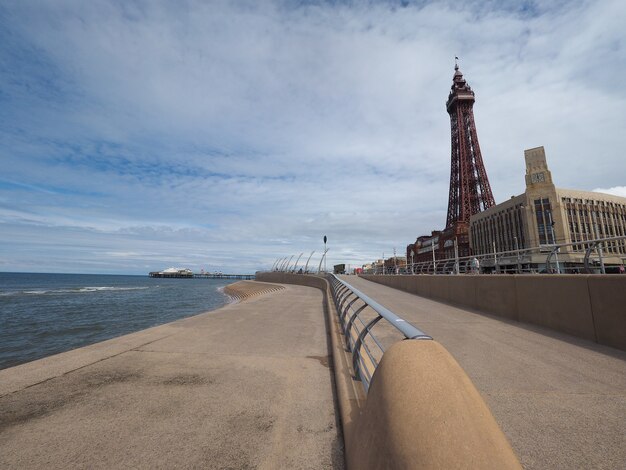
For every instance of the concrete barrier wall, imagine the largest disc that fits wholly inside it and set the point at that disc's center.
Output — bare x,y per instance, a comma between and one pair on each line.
297,279
588,306
423,411
607,297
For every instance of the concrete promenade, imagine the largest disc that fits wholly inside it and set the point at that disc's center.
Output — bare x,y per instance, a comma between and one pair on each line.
245,386
560,400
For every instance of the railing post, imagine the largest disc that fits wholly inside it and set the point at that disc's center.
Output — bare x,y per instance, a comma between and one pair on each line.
357,346
599,248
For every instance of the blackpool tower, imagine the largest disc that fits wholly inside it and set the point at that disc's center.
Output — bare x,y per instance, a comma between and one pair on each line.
470,192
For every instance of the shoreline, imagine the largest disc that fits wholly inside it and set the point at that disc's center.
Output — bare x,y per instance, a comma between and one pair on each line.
235,387
240,291
52,314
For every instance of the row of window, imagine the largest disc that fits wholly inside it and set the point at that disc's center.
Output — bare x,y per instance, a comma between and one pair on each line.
545,222
592,201
596,219
502,228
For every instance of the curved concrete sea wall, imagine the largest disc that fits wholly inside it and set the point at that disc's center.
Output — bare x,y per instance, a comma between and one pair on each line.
592,307
422,410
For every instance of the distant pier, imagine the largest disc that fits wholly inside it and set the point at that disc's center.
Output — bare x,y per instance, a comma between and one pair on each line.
186,275
246,277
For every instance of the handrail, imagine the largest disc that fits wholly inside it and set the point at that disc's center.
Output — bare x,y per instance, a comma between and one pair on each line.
351,303
516,260
408,330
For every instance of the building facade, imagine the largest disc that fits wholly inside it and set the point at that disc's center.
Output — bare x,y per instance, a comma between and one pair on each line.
545,215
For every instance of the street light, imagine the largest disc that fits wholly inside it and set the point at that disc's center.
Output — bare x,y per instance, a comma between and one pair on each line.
456,257
325,250
599,245
519,264
412,263
556,253
432,242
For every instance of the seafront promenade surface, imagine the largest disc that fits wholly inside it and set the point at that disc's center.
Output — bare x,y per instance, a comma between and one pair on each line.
245,386
560,400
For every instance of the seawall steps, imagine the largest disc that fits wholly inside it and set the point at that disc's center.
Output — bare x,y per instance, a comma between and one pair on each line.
243,290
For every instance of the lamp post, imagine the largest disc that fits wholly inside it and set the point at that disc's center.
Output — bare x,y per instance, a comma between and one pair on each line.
556,254
412,263
432,244
456,257
325,250
519,264
599,245
382,266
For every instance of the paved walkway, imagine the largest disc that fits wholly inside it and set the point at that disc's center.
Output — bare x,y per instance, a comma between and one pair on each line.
246,386
560,400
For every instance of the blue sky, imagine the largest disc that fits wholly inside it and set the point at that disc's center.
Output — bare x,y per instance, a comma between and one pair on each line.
222,135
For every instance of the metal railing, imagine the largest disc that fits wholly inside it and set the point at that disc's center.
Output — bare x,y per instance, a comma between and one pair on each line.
358,314
523,260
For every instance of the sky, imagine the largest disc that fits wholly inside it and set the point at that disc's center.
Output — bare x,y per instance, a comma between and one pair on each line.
220,135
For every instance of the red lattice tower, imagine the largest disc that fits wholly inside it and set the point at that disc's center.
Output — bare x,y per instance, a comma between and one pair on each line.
470,192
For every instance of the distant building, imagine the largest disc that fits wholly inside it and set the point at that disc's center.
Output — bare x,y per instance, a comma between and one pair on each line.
369,266
172,272
395,264
339,269
545,215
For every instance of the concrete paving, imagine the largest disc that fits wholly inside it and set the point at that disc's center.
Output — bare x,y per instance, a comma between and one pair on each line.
245,386
561,401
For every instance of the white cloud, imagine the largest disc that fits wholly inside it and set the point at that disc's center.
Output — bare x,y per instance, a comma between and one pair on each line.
616,191
241,133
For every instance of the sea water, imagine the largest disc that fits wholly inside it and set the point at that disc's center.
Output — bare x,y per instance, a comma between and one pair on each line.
44,314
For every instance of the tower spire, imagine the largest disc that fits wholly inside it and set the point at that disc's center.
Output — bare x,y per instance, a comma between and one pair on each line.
470,191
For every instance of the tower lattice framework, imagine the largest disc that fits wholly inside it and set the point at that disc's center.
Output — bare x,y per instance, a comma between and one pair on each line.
470,191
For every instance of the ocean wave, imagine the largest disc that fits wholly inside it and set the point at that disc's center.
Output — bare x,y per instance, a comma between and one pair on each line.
95,289
77,290
229,298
